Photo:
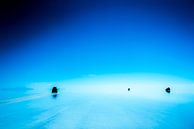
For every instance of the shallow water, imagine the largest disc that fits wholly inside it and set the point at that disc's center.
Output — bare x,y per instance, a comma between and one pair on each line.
82,107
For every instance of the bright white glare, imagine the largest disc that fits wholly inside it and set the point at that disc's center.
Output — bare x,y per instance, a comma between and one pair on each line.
143,86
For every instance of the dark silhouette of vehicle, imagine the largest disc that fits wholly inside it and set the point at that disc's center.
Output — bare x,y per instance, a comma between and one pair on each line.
54,90
167,89
128,89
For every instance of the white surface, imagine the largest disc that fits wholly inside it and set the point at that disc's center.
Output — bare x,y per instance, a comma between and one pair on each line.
103,103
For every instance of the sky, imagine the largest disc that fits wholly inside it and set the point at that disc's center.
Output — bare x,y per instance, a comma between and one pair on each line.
48,40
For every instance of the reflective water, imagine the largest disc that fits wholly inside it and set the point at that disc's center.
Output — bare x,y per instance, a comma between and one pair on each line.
100,103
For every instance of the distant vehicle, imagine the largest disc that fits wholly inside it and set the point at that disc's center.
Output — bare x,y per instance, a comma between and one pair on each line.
54,90
129,89
167,89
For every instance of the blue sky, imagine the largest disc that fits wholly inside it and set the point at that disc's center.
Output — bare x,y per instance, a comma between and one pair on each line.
105,40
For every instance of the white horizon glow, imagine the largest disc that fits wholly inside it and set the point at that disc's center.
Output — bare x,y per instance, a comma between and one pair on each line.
143,86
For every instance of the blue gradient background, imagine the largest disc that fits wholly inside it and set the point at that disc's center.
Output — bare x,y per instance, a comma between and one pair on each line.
104,37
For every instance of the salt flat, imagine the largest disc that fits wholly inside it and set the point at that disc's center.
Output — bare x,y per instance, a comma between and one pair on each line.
102,103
